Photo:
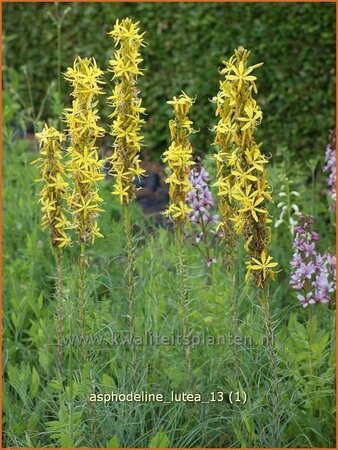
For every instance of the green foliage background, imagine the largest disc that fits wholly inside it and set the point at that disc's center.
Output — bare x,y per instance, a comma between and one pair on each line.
187,43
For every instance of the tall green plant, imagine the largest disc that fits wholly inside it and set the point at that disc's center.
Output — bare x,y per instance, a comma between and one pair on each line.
127,121
179,159
51,199
84,165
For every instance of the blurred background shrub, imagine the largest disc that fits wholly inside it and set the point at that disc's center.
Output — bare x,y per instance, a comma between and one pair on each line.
187,43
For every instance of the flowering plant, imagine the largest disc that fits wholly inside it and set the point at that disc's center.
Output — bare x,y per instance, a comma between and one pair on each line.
179,159
200,201
54,185
127,109
330,167
241,175
84,164
314,274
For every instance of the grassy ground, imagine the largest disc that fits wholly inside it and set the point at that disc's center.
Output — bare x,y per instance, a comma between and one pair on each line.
43,408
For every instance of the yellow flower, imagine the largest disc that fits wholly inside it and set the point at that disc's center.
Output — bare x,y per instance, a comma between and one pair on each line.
225,187
263,266
181,106
244,176
255,159
251,205
242,184
84,77
126,126
178,212
238,220
179,158
253,116
55,186
239,73
84,164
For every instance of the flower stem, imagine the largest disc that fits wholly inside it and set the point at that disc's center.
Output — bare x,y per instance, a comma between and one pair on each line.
234,321
183,305
82,311
130,283
59,294
82,314
59,59
30,95
207,249
310,341
270,341
70,381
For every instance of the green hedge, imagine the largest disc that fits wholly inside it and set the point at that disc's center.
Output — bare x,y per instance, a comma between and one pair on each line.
187,43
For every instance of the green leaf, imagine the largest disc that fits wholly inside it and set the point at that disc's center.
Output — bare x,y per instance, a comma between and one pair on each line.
108,381
113,442
312,325
35,382
249,426
297,330
318,346
17,382
33,420
44,360
66,441
160,440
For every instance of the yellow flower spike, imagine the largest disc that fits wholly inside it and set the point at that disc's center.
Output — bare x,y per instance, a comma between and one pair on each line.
127,121
126,131
242,185
54,188
179,161
84,165
179,158
225,159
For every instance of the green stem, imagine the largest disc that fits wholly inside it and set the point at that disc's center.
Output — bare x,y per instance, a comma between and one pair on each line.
310,342
207,249
70,381
29,88
82,314
59,294
59,59
82,311
270,341
130,283
183,304
234,321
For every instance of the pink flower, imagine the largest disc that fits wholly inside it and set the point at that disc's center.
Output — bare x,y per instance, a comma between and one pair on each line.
306,300
211,261
313,273
330,168
200,200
